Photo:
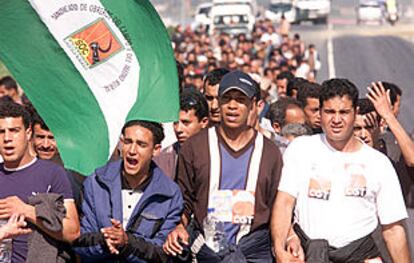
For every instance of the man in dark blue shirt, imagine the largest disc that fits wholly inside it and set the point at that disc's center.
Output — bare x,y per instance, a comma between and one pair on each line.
22,176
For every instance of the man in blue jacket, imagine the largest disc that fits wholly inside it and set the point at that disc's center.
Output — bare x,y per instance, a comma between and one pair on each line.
129,205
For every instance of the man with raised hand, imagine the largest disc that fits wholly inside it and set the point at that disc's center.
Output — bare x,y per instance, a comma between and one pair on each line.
397,144
380,97
367,123
339,189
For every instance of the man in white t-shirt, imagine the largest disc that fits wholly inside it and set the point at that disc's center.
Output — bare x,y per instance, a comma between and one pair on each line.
340,189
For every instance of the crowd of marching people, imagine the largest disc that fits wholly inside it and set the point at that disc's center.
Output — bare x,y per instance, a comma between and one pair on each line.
267,166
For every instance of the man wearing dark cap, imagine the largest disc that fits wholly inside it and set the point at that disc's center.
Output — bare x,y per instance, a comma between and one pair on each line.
228,174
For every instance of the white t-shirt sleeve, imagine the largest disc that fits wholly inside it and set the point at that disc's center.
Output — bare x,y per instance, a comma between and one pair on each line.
390,202
290,173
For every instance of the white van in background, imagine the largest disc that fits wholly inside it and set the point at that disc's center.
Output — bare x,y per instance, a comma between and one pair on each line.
233,16
202,15
277,8
316,11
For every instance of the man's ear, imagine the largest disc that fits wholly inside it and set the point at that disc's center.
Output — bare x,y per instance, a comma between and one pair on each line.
29,133
204,122
254,102
276,127
157,150
260,106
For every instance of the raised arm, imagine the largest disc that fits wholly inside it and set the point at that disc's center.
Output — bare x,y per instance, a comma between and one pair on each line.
380,98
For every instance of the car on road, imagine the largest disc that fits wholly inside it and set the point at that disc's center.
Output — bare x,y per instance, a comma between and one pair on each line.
281,7
316,11
232,16
369,12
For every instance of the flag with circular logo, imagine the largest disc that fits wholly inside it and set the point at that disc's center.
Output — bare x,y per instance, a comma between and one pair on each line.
88,66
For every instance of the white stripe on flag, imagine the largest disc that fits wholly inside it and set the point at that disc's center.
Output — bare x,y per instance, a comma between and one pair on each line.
100,53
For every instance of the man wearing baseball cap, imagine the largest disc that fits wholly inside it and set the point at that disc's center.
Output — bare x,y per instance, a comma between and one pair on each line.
228,174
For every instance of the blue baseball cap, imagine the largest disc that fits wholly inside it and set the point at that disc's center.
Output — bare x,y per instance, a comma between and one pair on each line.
237,80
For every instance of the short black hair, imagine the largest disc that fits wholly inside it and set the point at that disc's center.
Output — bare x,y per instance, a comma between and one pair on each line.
6,98
308,90
294,84
10,109
394,91
156,129
258,91
197,76
277,110
266,70
192,99
338,88
285,75
214,77
8,82
365,106
36,119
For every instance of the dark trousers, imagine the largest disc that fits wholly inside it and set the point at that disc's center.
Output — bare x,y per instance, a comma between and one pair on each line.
252,248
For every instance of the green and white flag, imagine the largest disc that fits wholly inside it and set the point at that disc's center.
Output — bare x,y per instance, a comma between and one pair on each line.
88,66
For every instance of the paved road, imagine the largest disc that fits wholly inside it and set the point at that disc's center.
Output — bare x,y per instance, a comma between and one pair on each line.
367,59
367,53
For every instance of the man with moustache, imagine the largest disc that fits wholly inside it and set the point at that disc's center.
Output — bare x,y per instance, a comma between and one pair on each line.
339,189
230,172
45,147
43,140
129,205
